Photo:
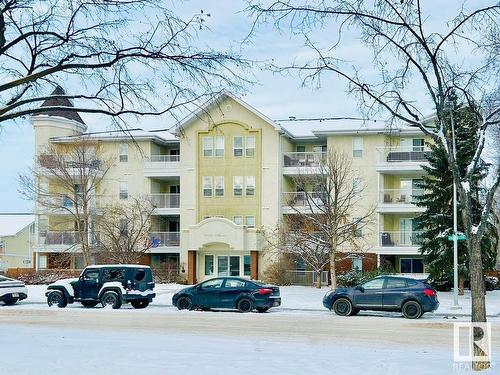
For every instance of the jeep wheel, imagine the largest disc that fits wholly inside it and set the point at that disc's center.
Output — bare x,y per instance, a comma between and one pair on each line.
140,304
244,305
89,304
342,307
57,298
10,301
112,299
184,303
412,310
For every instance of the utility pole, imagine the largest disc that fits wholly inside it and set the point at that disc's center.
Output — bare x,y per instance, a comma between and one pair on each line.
455,306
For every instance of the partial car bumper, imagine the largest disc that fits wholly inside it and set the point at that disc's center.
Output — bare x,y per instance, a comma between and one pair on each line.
269,302
16,292
134,297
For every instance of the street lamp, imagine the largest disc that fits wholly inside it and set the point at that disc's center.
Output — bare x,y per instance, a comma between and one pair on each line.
455,306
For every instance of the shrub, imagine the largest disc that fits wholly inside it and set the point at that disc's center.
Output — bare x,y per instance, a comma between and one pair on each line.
47,276
277,273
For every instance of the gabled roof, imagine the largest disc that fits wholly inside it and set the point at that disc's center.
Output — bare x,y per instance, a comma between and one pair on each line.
12,223
188,121
60,102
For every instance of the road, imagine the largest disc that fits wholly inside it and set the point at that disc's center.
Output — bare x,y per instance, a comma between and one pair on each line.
199,338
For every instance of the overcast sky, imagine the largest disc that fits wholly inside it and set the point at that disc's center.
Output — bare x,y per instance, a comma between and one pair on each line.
276,96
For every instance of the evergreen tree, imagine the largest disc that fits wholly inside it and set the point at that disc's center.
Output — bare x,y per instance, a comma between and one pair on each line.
436,222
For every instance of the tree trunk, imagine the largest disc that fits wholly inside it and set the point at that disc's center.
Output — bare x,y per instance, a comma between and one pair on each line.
333,274
477,296
318,279
461,285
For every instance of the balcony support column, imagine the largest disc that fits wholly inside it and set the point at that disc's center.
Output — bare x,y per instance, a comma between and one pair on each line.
254,265
191,267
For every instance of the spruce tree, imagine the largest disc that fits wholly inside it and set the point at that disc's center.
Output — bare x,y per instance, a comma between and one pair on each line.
436,223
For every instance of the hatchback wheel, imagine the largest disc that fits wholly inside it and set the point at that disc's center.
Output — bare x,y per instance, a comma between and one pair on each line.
184,303
245,305
342,307
57,298
112,299
412,310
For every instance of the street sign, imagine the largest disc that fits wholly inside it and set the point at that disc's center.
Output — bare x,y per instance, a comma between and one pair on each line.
460,237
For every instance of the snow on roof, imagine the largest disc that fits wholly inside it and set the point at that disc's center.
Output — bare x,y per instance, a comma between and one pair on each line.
11,224
321,127
162,136
118,265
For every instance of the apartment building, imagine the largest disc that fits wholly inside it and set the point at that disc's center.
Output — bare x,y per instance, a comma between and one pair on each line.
226,173
17,239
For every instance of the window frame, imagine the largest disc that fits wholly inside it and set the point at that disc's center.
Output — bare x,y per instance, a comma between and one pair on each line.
218,180
205,149
204,189
235,186
205,265
123,192
246,221
238,148
246,186
357,152
238,216
216,148
123,152
247,155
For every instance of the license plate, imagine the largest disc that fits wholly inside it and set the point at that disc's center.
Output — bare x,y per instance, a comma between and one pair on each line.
14,295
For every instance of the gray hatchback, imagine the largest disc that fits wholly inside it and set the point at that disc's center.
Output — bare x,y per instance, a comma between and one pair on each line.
384,293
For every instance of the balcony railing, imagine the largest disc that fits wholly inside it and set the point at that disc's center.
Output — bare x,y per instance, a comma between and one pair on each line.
169,200
164,239
399,196
59,238
301,199
57,162
402,154
303,159
400,239
164,158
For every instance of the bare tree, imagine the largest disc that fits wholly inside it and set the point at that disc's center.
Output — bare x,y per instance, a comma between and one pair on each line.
330,205
121,55
66,179
299,241
409,55
123,230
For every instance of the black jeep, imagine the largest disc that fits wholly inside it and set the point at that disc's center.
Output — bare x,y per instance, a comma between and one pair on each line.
110,285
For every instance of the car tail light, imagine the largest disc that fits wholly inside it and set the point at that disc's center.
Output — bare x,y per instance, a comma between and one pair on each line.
429,292
265,291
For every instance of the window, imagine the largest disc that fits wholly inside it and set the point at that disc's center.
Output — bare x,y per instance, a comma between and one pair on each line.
250,221
219,186
247,265
123,190
357,264
357,147
123,150
374,284
408,265
222,266
209,265
238,220
357,185
208,145
78,190
300,148
91,275
238,186
418,144
250,146
113,274
238,146
219,146
123,227
250,185
207,186
230,283
393,283
234,266
212,284
358,231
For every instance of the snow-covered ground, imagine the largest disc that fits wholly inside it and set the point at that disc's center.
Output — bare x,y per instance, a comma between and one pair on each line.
293,298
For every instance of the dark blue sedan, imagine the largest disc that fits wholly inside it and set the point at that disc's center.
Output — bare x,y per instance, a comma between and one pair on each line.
228,293
384,293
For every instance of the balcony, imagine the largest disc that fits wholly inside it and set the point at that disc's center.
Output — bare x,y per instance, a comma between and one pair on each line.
166,204
407,159
406,242
56,164
162,166
300,201
303,162
398,200
162,242
60,204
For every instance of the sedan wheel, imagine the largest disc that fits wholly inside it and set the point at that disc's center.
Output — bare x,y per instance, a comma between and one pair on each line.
184,303
245,305
412,310
342,307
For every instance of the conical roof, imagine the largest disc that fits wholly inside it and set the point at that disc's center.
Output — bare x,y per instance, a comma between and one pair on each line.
60,102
